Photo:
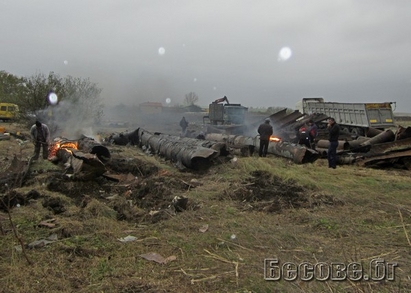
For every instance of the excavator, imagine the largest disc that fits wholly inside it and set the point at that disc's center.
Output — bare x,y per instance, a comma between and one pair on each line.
225,113
220,100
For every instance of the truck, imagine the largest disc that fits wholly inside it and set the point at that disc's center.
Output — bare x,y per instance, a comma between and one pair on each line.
8,111
225,114
355,118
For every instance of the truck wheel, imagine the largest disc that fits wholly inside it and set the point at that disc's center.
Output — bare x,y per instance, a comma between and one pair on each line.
357,131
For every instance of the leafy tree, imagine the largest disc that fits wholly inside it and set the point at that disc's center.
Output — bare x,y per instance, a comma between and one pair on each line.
79,99
86,96
37,90
11,87
190,99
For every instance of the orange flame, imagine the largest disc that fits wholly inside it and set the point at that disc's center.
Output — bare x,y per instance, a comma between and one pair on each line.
68,145
275,138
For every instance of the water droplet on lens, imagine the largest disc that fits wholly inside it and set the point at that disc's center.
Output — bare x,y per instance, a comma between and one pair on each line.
161,51
284,54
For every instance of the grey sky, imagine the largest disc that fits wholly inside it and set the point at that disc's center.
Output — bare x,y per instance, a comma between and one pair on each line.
354,51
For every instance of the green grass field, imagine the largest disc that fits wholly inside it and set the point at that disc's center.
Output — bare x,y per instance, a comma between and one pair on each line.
247,211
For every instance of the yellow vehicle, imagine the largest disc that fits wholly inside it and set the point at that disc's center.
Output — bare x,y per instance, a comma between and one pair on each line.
8,111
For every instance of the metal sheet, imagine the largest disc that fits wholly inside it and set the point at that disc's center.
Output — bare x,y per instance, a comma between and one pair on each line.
375,159
395,146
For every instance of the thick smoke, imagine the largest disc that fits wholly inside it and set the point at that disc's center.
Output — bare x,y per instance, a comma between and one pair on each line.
69,120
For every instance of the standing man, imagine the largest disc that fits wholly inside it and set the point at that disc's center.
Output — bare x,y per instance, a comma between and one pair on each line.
334,133
41,136
183,125
265,130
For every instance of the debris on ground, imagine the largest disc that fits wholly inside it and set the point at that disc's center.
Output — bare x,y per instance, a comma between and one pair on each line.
263,191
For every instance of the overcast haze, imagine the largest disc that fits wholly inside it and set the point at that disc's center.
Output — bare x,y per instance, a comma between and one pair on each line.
136,51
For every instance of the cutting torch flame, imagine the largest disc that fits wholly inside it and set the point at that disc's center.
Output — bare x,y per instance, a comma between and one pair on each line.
67,145
275,139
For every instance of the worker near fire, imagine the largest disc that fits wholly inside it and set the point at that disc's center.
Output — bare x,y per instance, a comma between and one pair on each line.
312,133
183,125
265,130
40,135
334,133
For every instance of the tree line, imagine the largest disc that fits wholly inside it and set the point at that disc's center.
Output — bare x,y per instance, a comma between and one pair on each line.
31,93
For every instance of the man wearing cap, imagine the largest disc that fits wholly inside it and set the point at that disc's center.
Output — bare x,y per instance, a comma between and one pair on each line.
41,136
265,130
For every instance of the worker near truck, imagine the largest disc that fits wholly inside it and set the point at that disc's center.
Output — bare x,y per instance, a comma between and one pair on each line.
312,133
333,134
40,135
307,134
265,130
183,125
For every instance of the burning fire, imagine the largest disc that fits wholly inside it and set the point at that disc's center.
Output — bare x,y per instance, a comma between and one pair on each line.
68,145
275,139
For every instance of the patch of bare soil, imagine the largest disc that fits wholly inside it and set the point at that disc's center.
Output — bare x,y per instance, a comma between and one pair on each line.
131,165
134,190
264,191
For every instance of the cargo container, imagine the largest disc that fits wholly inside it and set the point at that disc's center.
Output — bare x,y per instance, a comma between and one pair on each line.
352,117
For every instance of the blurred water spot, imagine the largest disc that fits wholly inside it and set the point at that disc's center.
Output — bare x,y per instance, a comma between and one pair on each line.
161,51
284,54
53,99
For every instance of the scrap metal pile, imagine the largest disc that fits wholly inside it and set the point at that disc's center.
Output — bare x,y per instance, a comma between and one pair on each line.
200,153
378,146
83,158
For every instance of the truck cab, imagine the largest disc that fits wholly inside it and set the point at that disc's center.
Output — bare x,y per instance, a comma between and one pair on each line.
219,113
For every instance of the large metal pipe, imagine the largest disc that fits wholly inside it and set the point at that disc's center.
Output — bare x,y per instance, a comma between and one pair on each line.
371,132
89,145
385,136
403,133
356,143
299,154
342,144
188,152
232,139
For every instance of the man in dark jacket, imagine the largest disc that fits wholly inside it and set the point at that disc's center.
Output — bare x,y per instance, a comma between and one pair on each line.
334,133
183,125
265,130
40,135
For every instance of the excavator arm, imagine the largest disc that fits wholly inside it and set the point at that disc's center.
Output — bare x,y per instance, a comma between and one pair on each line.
220,100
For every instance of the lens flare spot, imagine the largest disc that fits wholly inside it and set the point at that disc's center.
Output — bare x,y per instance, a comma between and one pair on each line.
53,99
161,51
284,54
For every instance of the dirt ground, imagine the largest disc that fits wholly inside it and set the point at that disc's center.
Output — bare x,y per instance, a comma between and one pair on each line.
149,227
